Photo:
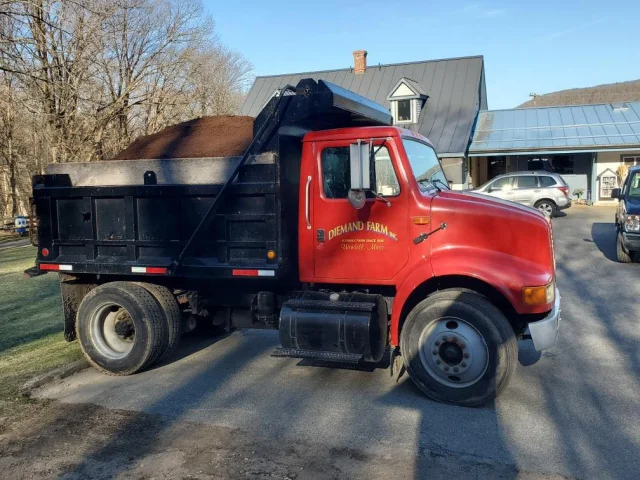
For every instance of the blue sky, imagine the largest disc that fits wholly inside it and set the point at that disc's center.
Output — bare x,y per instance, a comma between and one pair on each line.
535,46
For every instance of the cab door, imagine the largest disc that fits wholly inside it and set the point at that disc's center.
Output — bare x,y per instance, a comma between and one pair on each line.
358,246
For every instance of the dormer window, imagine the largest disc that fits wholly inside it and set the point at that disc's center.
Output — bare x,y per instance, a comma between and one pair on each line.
403,108
407,99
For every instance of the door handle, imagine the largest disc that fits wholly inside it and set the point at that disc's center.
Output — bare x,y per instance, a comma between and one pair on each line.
306,203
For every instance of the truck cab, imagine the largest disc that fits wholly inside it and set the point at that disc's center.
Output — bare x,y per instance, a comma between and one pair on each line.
335,228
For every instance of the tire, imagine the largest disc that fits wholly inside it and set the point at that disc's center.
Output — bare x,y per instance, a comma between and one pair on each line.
104,324
621,253
172,314
546,207
464,330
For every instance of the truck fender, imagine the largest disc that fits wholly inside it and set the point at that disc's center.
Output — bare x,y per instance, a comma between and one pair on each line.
419,275
477,264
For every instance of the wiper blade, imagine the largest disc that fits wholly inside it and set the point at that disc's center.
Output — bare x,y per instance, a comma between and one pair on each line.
442,183
430,182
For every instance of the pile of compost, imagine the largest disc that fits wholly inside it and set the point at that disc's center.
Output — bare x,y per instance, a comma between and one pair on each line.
218,136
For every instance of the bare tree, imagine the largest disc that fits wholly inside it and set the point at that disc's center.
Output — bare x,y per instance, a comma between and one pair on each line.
83,78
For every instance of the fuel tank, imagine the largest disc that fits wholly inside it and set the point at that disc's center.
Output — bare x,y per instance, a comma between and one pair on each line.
343,323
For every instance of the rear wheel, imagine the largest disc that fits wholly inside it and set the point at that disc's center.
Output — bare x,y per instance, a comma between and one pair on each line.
121,328
459,348
172,314
547,207
621,253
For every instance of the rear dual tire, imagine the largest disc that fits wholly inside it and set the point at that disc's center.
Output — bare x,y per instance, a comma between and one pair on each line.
124,328
458,348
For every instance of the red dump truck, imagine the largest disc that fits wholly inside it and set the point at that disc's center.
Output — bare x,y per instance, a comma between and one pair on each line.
335,228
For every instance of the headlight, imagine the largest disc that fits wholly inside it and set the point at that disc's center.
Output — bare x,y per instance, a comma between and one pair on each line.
539,295
632,223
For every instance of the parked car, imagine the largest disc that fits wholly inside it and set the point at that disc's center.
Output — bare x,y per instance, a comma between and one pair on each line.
628,216
21,226
546,191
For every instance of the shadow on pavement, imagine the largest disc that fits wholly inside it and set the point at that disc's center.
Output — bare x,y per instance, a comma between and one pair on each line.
604,237
458,450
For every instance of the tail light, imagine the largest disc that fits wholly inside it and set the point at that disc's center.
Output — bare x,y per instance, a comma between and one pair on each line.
564,190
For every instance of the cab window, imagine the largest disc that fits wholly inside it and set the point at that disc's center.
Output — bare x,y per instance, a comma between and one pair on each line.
336,173
386,181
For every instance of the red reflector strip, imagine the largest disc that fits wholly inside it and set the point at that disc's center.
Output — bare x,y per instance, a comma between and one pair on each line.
157,270
253,273
55,267
152,270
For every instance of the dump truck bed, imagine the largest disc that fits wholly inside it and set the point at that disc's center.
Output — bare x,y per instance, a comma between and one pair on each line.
111,218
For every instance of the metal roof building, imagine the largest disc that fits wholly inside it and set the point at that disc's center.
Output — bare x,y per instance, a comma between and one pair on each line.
583,128
455,89
587,144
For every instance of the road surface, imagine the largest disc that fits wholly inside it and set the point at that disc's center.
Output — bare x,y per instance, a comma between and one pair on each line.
574,411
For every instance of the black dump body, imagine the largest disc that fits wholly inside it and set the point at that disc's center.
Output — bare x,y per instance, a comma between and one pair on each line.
155,218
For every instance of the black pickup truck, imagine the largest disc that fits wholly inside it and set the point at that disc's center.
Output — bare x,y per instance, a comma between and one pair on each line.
628,216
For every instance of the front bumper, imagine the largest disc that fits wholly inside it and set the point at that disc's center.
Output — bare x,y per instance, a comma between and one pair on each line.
544,333
631,241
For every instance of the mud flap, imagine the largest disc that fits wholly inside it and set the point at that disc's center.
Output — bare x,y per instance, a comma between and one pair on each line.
73,290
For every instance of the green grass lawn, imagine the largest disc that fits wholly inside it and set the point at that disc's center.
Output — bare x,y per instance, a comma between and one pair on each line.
31,322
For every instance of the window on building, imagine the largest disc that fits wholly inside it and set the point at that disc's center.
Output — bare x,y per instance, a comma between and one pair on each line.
497,166
406,101
528,181
563,164
539,164
631,161
620,107
404,111
336,173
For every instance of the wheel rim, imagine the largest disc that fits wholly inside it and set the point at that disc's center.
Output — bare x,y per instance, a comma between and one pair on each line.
453,352
546,208
112,330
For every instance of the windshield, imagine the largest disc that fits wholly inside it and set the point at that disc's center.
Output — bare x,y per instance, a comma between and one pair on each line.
634,186
425,164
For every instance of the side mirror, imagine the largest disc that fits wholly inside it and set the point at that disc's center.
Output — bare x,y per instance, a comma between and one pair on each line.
360,166
616,193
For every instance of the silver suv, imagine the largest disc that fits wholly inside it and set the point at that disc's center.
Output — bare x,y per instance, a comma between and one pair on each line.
546,191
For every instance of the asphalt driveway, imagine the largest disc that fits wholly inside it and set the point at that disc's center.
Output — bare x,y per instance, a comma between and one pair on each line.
573,411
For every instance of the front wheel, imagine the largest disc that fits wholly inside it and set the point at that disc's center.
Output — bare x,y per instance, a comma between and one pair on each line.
621,253
459,348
